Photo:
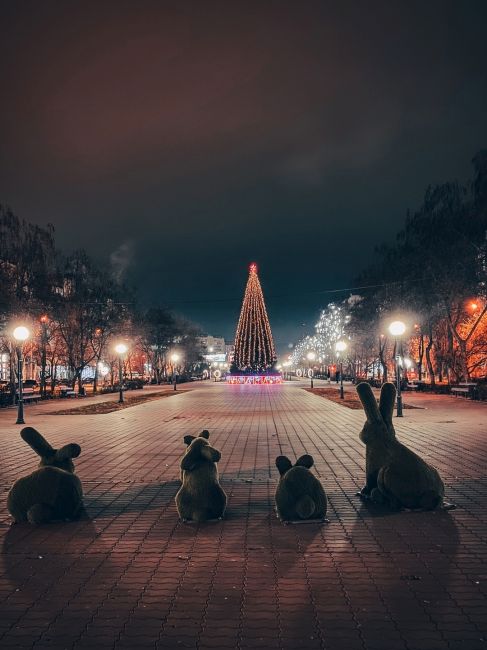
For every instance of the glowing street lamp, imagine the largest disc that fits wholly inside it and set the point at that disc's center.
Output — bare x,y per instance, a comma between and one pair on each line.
408,364
120,349
397,329
20,334
341,346
174,359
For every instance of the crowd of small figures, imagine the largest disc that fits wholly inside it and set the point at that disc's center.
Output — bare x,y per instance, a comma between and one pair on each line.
396,477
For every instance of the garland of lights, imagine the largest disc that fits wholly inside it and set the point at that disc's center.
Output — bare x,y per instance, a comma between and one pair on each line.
254,346
330,328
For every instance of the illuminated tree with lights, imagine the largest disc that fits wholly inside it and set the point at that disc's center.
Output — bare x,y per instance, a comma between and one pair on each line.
254,346
329,329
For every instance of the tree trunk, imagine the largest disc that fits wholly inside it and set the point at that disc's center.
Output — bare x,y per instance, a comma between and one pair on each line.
53,376
462,345
43,371
421,357
428,359
95,379
382,361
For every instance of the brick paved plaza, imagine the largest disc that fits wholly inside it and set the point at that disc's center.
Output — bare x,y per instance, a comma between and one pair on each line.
132,576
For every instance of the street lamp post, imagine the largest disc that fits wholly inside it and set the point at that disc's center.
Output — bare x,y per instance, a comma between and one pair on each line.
210,350
44,322
120,349
311,356
397,329
341,346
174,360
20,334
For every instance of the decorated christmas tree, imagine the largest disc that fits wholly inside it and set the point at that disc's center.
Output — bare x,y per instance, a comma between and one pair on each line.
254,347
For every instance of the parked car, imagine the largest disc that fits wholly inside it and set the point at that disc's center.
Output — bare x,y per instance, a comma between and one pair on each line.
134,384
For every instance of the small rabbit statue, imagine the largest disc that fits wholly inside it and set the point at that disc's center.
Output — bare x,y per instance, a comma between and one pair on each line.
395,475
200,496
299,494
50,493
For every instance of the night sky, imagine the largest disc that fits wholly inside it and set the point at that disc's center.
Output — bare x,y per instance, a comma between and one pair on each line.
183,140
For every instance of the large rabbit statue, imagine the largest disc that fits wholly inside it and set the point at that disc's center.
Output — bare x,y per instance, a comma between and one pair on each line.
395,475
201,496
299,494
52,492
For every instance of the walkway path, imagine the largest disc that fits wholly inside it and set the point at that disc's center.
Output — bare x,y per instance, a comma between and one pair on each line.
132,576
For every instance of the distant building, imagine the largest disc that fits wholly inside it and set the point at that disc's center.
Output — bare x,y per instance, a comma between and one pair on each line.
229,351
213,344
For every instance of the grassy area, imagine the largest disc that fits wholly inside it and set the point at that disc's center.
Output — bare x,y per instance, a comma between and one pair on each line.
113,405
350,400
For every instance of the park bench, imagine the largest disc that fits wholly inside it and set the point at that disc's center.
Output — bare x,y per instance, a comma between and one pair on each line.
28,395
466,389
67,392
412,386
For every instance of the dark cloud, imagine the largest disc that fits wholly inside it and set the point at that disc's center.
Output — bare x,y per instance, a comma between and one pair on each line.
209,134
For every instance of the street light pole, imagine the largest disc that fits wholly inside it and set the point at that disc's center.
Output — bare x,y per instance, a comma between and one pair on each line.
398,378
174,359
20,403
120,380
397,329
210,350
44,321
311,356
20,334
342,394
341,346
120,349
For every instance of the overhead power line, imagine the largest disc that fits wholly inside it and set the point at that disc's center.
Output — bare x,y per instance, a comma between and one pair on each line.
282,295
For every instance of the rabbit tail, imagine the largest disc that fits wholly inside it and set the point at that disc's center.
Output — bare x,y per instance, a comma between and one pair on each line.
40,513
305,507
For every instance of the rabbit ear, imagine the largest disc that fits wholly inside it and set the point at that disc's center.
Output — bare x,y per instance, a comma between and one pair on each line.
38,443
205,434
68,451
283,464
387,400
305,461
188,439
191,457
369,402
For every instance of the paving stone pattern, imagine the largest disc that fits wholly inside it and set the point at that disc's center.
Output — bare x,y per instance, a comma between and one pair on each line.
132,576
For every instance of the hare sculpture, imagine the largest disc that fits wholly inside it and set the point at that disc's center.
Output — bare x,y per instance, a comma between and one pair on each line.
395,475
299,494
51,492
200,496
